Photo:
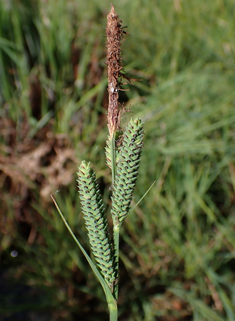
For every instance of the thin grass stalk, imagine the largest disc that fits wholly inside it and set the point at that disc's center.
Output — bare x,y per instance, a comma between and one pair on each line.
116,233
114,32
113,312
113,159
116,230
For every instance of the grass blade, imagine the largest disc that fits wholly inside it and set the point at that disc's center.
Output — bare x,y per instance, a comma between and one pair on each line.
110,299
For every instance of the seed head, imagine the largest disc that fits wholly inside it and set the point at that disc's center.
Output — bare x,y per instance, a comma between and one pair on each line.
114,32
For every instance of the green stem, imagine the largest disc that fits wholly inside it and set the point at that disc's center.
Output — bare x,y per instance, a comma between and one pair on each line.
115,221
113,158
116,249
113,312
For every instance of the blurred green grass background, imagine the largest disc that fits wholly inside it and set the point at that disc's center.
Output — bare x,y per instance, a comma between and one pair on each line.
178,246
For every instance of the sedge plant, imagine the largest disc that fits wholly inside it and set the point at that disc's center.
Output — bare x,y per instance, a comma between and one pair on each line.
123,159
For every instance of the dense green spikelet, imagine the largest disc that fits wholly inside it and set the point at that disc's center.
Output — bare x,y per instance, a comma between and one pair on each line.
96,222
127,170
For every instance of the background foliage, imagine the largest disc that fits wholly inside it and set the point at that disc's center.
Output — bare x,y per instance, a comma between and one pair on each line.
178,247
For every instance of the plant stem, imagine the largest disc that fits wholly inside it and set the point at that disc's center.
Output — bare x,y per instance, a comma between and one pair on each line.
113,158
113,312
115,221
114,32
116,230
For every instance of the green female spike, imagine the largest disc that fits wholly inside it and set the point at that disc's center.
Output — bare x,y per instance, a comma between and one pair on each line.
127,170
96,222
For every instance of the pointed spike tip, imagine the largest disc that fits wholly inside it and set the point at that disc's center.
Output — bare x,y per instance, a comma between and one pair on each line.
112,11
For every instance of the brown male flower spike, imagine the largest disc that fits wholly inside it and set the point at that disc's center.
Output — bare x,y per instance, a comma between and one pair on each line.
114,32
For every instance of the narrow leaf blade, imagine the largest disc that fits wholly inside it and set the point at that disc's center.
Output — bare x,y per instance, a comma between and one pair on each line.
106,289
